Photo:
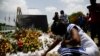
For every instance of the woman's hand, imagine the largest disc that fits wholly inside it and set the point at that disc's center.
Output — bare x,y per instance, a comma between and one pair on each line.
64,43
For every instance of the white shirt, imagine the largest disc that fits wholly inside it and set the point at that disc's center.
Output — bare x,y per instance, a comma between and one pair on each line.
64,18
86,41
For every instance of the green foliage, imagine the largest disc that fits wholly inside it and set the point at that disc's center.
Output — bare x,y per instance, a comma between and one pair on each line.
2,24
73,18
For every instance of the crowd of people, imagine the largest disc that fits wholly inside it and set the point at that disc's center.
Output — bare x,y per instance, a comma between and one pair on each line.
63,17
73,39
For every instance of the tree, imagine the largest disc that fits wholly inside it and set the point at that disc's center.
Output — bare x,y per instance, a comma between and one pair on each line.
2,24
73,18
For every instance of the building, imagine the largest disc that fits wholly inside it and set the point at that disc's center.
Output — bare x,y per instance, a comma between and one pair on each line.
32,21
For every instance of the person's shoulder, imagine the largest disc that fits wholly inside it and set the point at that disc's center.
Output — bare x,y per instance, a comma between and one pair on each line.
70,25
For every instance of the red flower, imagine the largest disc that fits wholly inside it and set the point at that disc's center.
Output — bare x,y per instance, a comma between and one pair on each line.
20,44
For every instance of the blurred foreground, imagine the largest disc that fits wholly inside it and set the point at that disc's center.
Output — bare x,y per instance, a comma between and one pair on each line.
26,42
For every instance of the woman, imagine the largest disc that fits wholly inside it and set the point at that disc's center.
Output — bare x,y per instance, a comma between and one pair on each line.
74,42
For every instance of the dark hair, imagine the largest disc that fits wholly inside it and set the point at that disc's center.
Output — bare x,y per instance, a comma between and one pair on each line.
56,13
58,28
62,12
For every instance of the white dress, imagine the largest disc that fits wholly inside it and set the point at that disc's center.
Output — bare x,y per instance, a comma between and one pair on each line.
86,42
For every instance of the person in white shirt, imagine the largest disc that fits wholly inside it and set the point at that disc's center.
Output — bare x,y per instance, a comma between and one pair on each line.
64,17
74,41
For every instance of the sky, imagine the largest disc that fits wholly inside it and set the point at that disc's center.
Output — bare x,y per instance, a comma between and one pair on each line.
8,8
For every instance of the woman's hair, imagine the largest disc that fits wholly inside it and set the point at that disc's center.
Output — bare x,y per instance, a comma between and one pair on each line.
58,28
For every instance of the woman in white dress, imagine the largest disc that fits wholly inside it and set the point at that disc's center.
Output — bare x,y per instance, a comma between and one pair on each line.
74,41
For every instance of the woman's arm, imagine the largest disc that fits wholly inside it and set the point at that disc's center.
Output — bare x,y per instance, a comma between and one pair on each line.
56,42
75,40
